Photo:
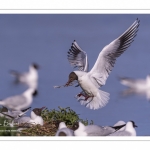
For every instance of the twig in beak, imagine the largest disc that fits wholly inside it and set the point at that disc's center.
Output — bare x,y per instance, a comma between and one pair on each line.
66,85
58,86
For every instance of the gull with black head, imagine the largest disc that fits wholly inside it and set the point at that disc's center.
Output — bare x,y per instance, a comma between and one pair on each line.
29,78
91,81
94,130
34,119
128,131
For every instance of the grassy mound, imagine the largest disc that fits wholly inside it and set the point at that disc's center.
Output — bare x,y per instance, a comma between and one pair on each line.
51,118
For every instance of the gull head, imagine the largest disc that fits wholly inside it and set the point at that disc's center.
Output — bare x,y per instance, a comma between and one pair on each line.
35,93
72,77
35,66
133,124
75,126
38,111
62,134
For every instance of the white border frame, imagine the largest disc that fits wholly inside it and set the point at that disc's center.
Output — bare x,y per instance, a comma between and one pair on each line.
74,7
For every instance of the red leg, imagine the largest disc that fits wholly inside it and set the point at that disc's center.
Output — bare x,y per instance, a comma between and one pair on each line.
88,97
80,94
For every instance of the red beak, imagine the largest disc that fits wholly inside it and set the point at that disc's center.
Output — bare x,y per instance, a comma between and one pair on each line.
67,84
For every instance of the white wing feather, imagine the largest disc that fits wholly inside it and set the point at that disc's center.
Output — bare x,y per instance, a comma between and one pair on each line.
107,57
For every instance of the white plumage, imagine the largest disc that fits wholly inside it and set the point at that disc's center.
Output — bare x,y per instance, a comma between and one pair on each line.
63,130
19,102
29,78
91,81
94,130
129,130
136,86
34,119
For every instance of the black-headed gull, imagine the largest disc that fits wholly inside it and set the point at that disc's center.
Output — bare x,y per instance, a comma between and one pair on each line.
63,130
93,130
34,119
128,131
29,78
91,81
136,86
19,102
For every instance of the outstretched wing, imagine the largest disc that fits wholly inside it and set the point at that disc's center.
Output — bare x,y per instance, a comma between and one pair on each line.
107,57
77,57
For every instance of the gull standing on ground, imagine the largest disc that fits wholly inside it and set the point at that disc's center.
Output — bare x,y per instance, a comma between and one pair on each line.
91,81
34,119
63,130
94,130
19,102
29,78
128,131
136,86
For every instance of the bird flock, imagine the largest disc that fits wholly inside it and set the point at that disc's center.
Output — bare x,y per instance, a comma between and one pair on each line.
79,129
90,81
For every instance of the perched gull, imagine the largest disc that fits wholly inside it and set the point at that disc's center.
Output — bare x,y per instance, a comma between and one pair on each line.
13,114
19,102
63,130
128,131
34,119
91,81
93,130
29,78
136,86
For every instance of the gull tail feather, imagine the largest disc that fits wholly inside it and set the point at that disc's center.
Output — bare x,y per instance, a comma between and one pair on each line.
99,101
14,73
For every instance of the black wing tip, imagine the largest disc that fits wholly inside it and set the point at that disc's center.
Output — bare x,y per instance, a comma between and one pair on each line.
137,20
26,109
73,42
118,127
